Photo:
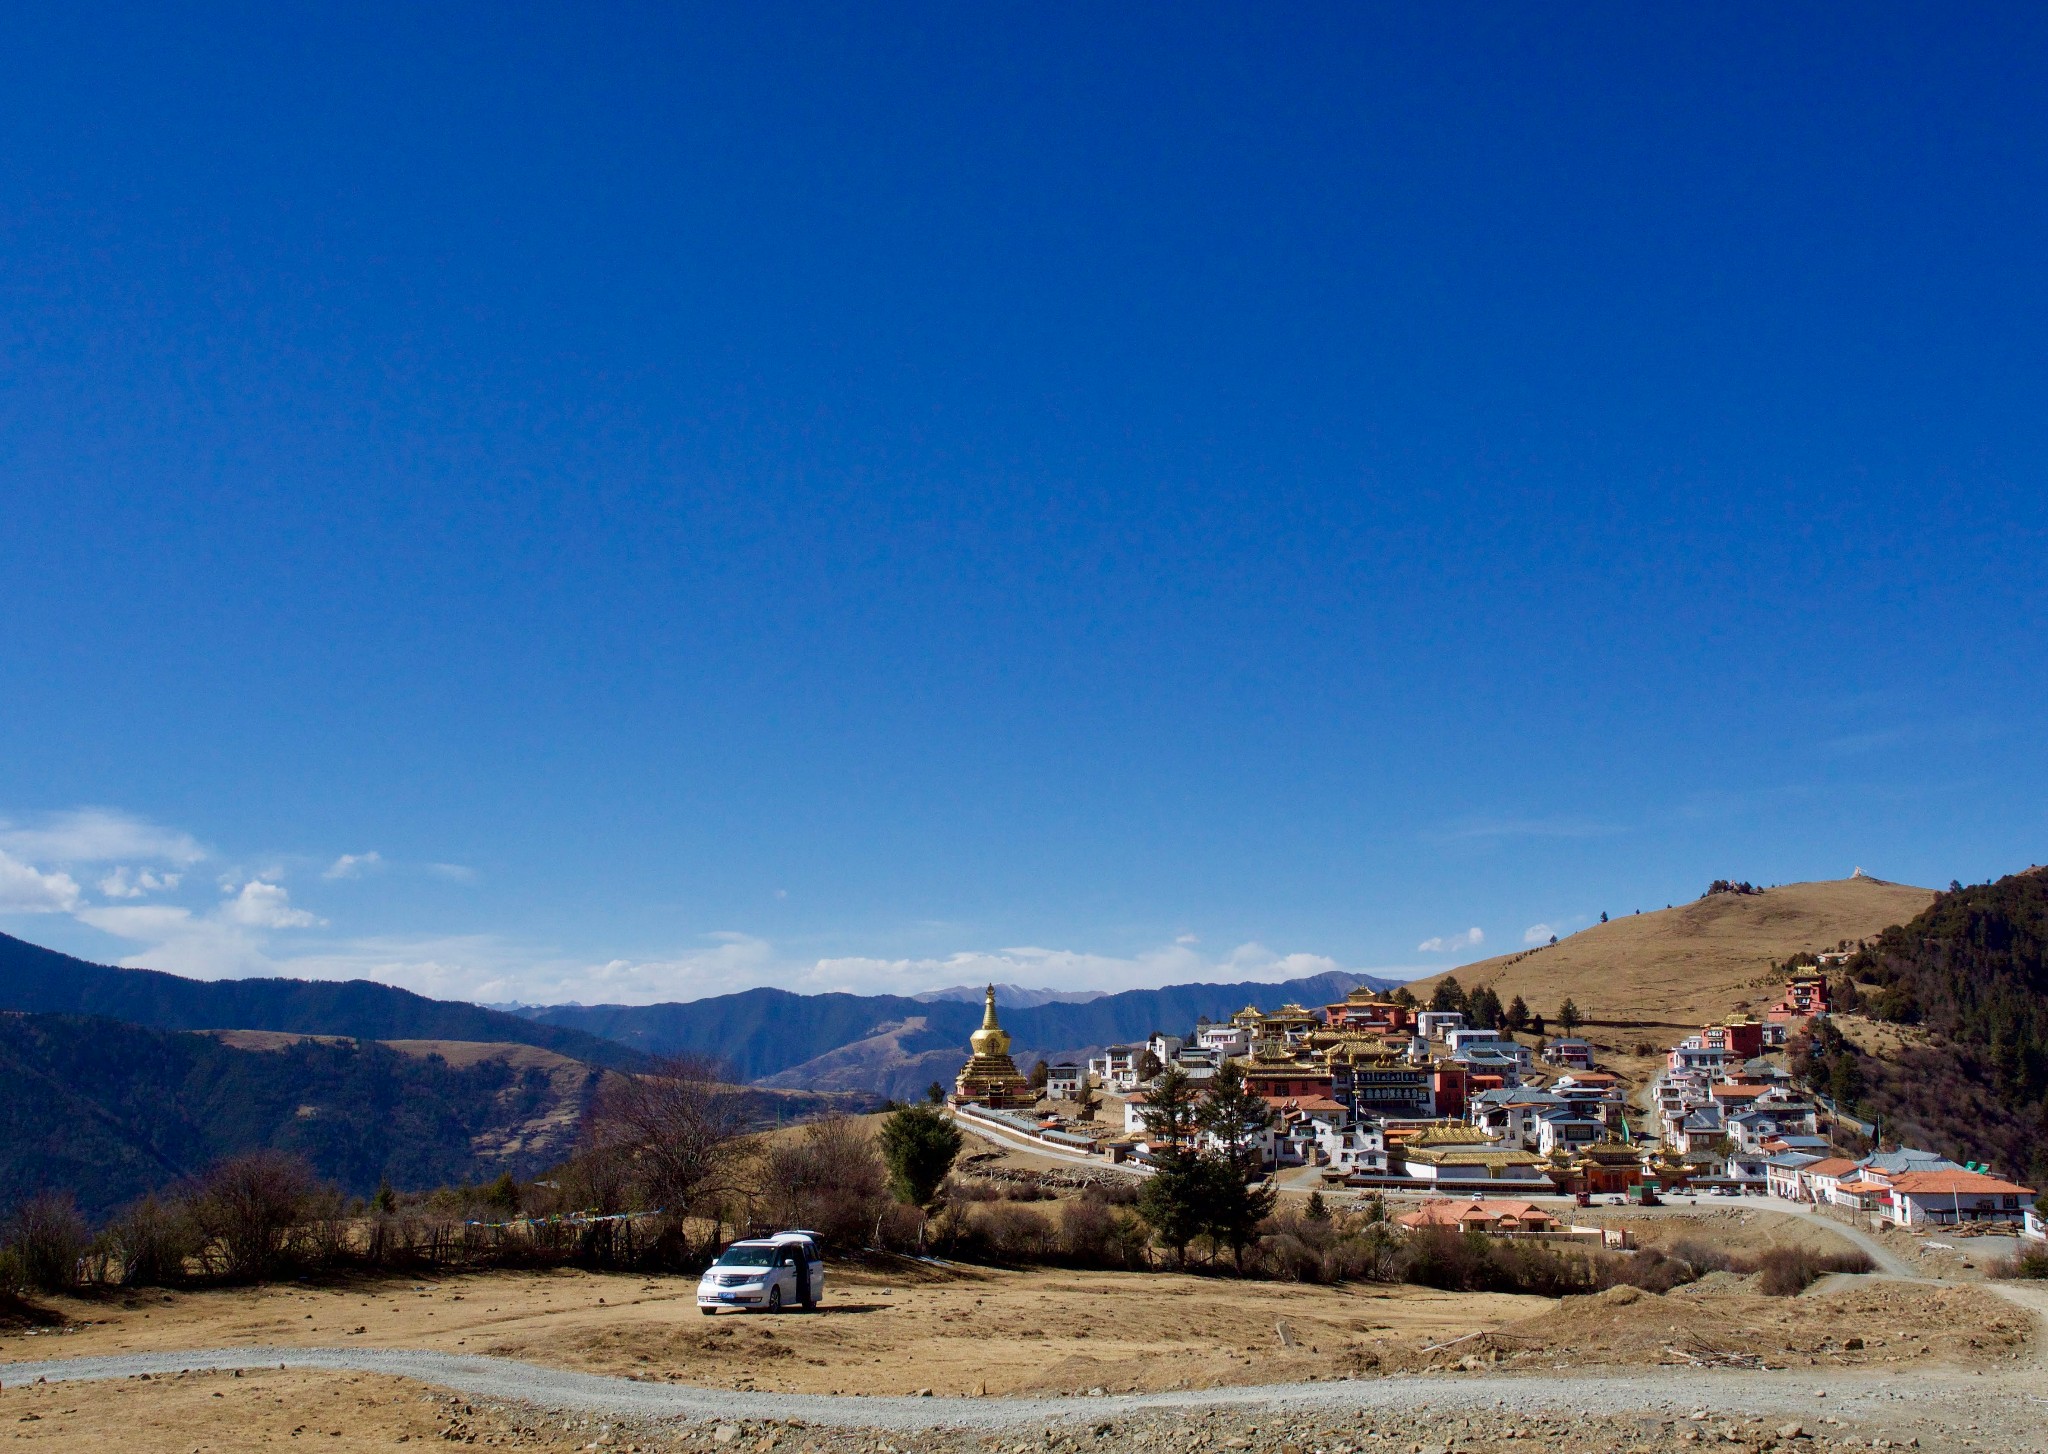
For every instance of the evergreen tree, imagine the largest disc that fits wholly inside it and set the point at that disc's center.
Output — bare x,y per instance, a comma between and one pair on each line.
1449,995
1239,1195
919,1144
1516,1016
1403,996
1172,1112
1482,1009
935,1094
1171,1201
1173,1198
1568,1016
1845,1082
1318,1210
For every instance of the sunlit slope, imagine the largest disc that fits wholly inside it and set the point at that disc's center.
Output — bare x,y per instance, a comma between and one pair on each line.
1686,965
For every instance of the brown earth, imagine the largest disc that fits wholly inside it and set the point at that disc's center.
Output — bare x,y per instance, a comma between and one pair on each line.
910,1327
1721,1321
896,1329
1676,969
217,1413
1734,1230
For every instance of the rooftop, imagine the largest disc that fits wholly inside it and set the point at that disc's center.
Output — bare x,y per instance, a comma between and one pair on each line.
1956,1183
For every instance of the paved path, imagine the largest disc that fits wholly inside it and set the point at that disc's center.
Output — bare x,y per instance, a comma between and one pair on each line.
1016,1141
2023,1393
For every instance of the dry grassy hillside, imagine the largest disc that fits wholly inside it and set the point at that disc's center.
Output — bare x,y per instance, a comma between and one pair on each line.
1680,967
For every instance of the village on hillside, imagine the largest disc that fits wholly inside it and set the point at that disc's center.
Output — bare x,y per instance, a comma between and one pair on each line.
1485,1114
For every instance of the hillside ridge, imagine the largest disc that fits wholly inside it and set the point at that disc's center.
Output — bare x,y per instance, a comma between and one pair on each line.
1693,962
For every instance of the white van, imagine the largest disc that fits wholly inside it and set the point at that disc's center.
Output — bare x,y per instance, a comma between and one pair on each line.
773,1273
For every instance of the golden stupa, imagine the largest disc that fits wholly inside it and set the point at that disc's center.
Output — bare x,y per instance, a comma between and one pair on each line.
990,1076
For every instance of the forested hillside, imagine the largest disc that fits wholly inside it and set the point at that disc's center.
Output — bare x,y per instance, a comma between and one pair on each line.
43,981
109,1111
1972,974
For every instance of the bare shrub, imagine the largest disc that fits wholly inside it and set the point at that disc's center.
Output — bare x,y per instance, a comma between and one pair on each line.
152,1242
1648,1269
1086,1230
675,1128
47,1237
1789,1271
1702,1257
249,1212
1473,1262
596,1179
1016,1233
971,1189
829,1179
1123,1192
2027,1262
1284,1254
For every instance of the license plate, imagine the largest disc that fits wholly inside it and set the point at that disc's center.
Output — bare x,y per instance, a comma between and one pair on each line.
728,1297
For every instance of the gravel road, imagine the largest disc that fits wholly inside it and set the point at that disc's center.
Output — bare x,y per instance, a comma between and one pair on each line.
1937,1398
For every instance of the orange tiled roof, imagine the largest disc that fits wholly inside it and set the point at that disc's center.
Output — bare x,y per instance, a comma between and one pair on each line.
1943,1183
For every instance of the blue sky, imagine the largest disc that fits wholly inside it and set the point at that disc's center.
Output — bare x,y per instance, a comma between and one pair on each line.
632,502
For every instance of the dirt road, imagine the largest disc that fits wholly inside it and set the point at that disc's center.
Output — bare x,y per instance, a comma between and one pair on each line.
1675,1391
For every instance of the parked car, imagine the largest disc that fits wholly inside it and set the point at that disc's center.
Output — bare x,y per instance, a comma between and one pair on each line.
769,1273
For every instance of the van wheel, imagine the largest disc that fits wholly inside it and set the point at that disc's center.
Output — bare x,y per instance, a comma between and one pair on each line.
774,1299
708,1312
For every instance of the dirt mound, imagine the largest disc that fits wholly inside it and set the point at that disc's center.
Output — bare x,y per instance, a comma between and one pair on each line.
1725,1324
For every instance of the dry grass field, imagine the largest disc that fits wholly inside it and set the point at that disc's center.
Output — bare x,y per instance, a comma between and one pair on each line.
1677,968
898,1329
906,1327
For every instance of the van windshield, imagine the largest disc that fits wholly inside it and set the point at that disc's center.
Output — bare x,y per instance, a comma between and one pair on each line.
747,1257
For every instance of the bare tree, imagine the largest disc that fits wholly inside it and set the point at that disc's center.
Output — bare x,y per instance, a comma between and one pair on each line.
47,1236
675,1128
251,1211
830,1179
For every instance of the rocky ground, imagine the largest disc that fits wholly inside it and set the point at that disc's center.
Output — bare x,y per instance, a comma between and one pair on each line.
142,1403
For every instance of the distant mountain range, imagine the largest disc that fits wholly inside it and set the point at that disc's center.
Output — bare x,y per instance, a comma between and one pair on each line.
871,1042
46,982
1010,996
769,1036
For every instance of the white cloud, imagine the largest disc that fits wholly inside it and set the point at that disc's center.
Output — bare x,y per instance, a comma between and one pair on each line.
355,865
262,905
98,835
1444,944
1538,934
127,883
201,946
495,970
460,873
26,889
1175,963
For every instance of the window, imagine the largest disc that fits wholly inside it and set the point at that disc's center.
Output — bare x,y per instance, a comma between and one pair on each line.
747,1257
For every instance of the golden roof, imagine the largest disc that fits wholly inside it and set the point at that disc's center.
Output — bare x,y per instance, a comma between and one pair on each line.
991,1039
